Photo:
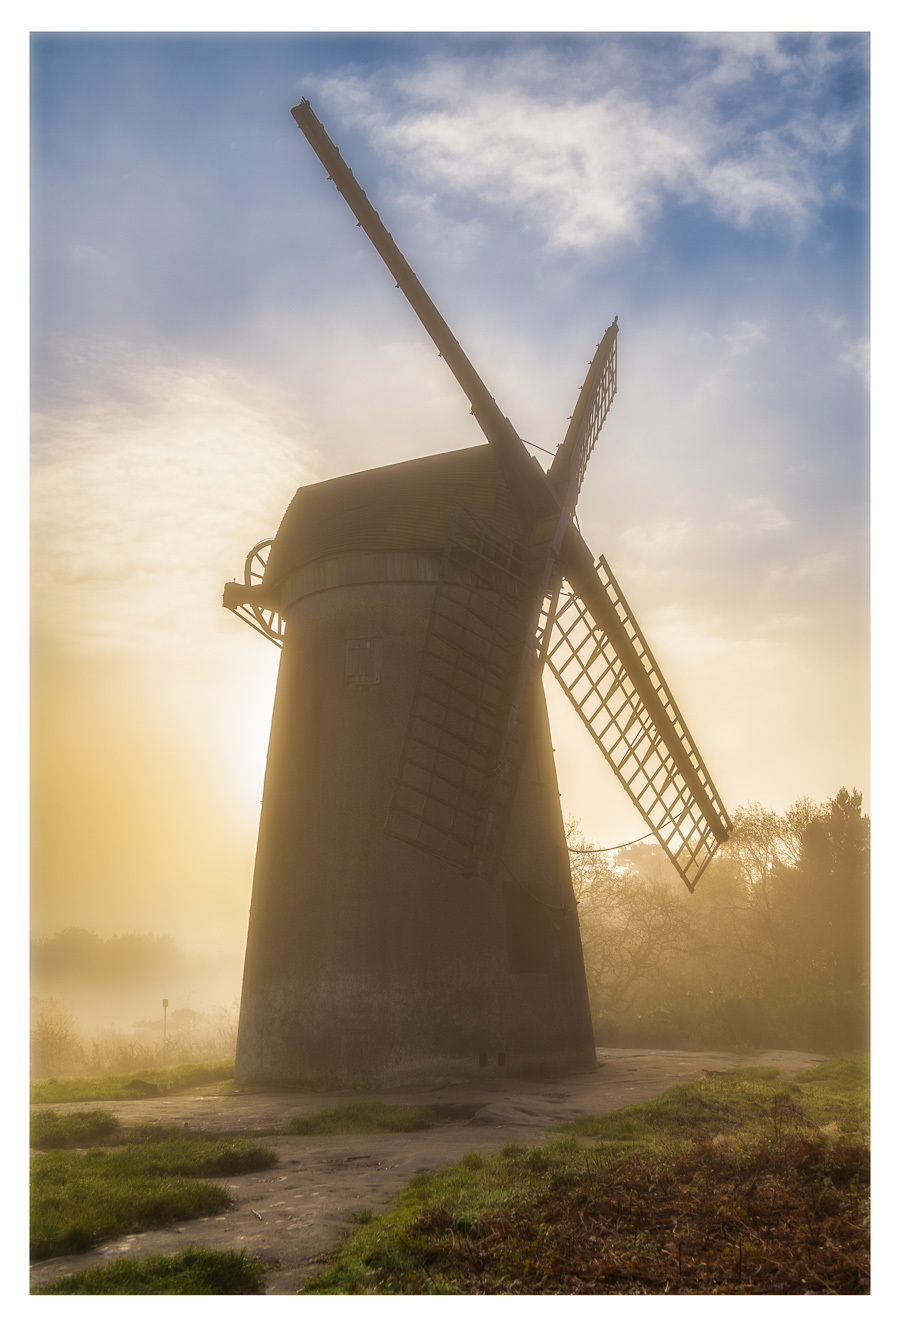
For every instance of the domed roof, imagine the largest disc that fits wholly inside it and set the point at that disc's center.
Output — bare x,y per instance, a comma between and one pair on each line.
404,506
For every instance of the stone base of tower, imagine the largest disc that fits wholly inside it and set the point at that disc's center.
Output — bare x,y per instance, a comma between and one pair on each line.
278,1048
422,1074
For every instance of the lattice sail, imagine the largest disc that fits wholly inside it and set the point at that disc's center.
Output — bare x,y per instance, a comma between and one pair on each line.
612,679
604,389
447,795
594,400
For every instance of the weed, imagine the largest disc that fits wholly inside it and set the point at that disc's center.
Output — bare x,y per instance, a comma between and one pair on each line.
782,1113
191,1272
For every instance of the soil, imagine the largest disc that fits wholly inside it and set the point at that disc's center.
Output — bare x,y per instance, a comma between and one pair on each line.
295,1215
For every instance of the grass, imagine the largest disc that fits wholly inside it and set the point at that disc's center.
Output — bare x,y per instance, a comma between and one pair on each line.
115,1087
750,1102
191,1272
88,1128
81,1199
740,1184
363,1117
80,1129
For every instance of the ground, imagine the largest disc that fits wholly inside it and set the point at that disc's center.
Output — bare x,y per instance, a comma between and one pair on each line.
297,1213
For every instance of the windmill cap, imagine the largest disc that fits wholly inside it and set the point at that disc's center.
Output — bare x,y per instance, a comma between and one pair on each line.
406,506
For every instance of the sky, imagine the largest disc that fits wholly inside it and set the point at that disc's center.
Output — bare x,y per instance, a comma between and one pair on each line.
210,331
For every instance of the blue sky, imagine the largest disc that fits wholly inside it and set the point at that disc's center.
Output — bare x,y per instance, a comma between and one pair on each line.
211,331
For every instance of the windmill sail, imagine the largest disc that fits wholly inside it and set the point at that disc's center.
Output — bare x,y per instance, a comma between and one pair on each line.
566,472
533,500
605,667
445,800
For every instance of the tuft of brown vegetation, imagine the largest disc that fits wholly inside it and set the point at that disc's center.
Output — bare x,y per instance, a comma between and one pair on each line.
771,1219
736,1185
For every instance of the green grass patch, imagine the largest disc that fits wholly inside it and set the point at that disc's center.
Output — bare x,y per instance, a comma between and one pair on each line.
83,1128
363,1117
54,1129
80,1199
751,1101
717,1191
192,1272
117,1087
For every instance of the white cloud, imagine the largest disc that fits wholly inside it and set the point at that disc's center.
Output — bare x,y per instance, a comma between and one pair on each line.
777,623
742,54
459,239
755,516
855,358
745,335
770,182
529,132
146,495
814,567
656,540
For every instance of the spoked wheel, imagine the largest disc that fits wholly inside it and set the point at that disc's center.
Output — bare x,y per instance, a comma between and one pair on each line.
271,623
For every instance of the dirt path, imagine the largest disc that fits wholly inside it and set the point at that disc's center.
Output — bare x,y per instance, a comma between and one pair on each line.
298,1212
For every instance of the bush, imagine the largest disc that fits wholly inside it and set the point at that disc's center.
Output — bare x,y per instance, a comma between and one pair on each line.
56,1045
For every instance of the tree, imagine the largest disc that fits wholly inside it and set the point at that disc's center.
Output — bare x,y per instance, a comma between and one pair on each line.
772,949
825,898
630,923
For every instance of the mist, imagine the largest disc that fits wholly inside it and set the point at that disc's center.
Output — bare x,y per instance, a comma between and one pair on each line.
98,1002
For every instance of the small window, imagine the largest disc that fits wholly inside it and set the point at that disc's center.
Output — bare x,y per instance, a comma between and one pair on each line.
362,662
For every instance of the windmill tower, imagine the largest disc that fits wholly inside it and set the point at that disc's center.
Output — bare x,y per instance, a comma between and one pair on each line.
412,916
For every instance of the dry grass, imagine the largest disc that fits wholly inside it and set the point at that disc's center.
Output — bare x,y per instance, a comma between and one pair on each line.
778,1219
737,1185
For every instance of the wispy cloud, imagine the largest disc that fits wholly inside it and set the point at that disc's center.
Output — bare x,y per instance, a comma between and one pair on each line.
587,169
745,335
813,567
143,493
753,516
855,359
657,539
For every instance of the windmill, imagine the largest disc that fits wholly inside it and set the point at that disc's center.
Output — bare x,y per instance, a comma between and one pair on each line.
412,916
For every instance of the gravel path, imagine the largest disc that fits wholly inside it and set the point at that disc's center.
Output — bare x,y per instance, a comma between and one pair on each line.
297,1213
